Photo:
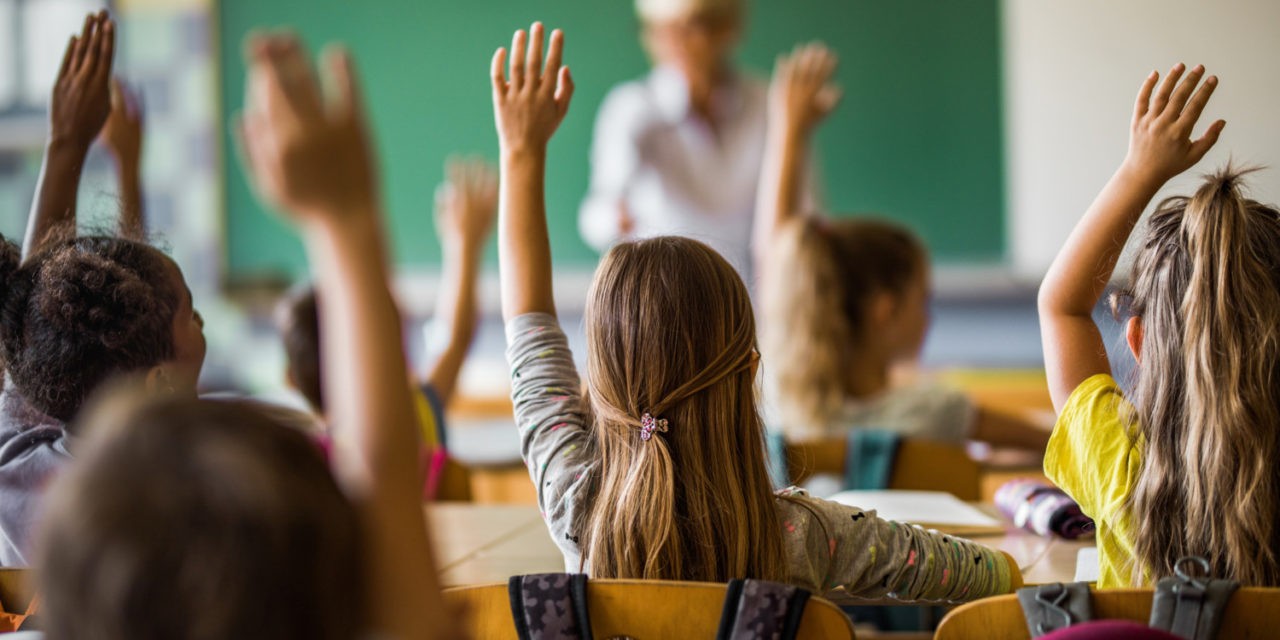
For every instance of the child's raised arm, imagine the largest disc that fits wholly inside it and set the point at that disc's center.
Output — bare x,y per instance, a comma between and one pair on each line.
466,205
122,135
309,157
800,96
78,108
528,107
1160,147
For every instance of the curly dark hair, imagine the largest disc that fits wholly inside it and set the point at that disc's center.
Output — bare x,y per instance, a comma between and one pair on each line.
80,311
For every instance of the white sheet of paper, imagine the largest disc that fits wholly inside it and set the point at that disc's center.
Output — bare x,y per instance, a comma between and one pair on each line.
1087,565
918,507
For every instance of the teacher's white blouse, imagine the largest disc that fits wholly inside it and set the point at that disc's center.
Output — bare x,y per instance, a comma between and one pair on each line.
675,174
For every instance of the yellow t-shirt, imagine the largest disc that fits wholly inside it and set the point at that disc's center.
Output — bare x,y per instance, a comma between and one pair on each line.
1093,459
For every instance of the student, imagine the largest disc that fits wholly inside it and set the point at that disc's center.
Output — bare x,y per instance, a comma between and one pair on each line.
678,152
466,206
846,300
205,519
1185,464
659,473
80,309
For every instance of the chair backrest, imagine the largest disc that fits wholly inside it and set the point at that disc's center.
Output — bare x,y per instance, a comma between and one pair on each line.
1252,612
920,465
639,609
15,589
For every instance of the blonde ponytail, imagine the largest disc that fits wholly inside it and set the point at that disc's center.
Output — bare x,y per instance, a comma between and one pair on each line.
1207,392
817,289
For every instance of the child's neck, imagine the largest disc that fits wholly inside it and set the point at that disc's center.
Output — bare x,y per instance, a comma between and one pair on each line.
867,377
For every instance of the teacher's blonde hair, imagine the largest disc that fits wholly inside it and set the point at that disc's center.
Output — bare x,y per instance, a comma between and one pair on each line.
667,10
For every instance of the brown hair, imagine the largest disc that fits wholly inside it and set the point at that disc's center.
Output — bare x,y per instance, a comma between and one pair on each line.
198,519
298,321
817,290
82,310
670,332
1206,395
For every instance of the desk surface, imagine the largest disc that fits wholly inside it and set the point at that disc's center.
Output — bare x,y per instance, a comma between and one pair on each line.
478,544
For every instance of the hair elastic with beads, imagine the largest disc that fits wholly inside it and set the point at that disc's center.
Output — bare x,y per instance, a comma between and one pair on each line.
649,424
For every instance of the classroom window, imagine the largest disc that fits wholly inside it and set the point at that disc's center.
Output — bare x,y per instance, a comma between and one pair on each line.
33,36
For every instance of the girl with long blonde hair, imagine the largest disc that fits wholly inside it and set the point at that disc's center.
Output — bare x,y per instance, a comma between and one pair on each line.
1185,464
658,470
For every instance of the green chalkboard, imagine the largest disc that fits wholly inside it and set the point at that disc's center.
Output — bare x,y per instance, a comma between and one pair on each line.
918,137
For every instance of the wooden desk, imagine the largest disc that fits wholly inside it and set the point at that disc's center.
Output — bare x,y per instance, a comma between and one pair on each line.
478,544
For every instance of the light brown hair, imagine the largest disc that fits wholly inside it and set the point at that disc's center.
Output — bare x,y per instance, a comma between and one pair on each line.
1206,394
198,519
817,289
298,321
670,332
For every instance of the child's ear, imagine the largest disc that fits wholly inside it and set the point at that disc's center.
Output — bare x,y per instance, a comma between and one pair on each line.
1133,335
158,380
884,306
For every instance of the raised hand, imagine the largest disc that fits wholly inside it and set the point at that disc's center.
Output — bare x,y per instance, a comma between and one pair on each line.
307,150
801,93
530,104
81,97
122,133
1160,144
466,203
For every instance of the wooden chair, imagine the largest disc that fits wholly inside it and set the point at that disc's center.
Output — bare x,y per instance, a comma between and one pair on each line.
920,465
637,609
14,589
1252,613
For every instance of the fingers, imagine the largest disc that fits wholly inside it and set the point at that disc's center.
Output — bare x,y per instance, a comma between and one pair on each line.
533,64
341,74
102,60
564,91
1195,107
1206,141
828,98
1166,88
516,71
555,54
496,68
1144,95
65,67
1178,99
290,80
82,42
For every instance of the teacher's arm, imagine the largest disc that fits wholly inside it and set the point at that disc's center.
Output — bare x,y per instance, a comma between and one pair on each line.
615,159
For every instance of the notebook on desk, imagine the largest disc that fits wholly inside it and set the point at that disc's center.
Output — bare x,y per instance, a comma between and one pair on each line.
930,509
1087,565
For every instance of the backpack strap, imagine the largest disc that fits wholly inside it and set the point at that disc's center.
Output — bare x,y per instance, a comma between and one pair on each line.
1190,604
760,609
550,605
1049,607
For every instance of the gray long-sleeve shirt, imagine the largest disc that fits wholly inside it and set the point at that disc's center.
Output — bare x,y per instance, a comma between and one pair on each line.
32,447
828,545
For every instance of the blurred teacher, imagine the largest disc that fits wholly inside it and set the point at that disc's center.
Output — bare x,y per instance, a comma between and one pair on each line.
678,152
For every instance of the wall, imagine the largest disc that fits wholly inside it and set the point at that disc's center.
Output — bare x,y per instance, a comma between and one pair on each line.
1072,71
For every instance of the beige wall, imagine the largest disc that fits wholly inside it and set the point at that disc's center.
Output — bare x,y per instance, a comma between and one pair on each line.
1072,69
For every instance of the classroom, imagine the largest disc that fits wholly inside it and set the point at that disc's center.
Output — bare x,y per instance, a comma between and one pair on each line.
718,318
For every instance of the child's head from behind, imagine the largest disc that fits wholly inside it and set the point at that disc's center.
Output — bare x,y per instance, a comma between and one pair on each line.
198,519
85,309
1205,331
671,334
836,292
298,320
